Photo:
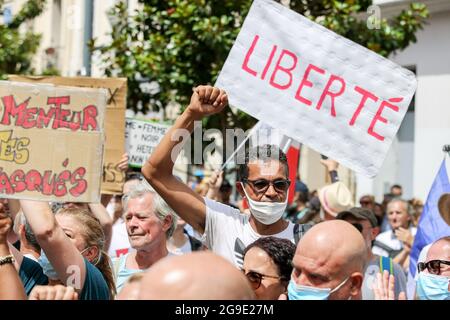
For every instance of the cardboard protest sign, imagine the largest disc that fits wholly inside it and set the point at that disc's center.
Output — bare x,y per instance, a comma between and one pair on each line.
317,87
112,178
51,142
141,138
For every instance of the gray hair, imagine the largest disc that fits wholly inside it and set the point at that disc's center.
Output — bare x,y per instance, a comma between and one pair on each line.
408,206
160,207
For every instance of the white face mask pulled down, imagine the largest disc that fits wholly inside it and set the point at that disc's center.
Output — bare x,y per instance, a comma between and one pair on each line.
266,212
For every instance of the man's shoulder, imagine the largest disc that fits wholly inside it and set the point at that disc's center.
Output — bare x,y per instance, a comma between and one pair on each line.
214,207
290,231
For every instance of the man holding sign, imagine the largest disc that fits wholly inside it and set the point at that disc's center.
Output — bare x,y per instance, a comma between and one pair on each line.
316,86
263,181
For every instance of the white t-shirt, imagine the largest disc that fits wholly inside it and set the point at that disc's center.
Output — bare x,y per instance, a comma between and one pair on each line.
388,238
228,231
120,243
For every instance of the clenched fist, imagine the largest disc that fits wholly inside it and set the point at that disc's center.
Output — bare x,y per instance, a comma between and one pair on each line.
58,292
207,100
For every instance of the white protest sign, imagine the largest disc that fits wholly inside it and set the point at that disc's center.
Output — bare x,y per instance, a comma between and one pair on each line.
316,86
141,138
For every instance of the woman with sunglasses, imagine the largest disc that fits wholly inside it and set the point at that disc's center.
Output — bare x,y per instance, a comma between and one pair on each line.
268,267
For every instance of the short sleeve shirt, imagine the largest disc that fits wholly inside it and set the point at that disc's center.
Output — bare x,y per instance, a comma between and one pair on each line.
228,231
388,238
95,286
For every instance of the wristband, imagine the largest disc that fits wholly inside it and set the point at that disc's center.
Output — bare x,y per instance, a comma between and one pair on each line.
6,259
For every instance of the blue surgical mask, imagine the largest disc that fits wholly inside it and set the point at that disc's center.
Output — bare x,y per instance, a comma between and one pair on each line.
47,267
432,287
300,292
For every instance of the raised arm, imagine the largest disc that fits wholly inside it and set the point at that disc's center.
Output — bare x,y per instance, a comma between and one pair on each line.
331,166
64,256
14,209
99,211
205,100
214,184
11,288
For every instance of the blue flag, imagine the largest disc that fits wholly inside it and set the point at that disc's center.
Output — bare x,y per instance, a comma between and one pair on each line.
431,225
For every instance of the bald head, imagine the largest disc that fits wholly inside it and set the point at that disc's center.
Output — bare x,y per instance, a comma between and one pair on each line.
332,254
336,241
440,250
195,276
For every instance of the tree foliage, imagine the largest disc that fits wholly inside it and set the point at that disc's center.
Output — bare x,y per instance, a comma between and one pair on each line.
182,43
18,47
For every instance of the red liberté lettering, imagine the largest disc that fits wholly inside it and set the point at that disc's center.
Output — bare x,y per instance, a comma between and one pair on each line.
47,183
22,115
287,62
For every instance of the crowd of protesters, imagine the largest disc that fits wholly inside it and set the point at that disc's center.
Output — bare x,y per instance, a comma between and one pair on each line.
164,239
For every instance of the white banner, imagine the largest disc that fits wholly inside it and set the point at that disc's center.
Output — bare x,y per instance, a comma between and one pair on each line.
319,88
141,138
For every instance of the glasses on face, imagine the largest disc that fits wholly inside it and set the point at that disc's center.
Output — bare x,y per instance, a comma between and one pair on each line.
433,266
255,278
261,185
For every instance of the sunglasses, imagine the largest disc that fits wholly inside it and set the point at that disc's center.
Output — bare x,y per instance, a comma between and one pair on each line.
261,185
433,266
255,278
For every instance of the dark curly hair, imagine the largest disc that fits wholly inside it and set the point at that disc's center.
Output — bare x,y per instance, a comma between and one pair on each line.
281,251
264,152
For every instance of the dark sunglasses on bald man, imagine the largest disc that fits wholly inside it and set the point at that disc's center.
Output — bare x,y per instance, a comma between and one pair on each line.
433,266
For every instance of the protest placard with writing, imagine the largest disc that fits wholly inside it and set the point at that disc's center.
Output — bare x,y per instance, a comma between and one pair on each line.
316,86
51,142
141,139
112,178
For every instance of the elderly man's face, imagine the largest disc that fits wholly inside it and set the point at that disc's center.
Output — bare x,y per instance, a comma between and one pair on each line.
397,214
259,173
144,228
